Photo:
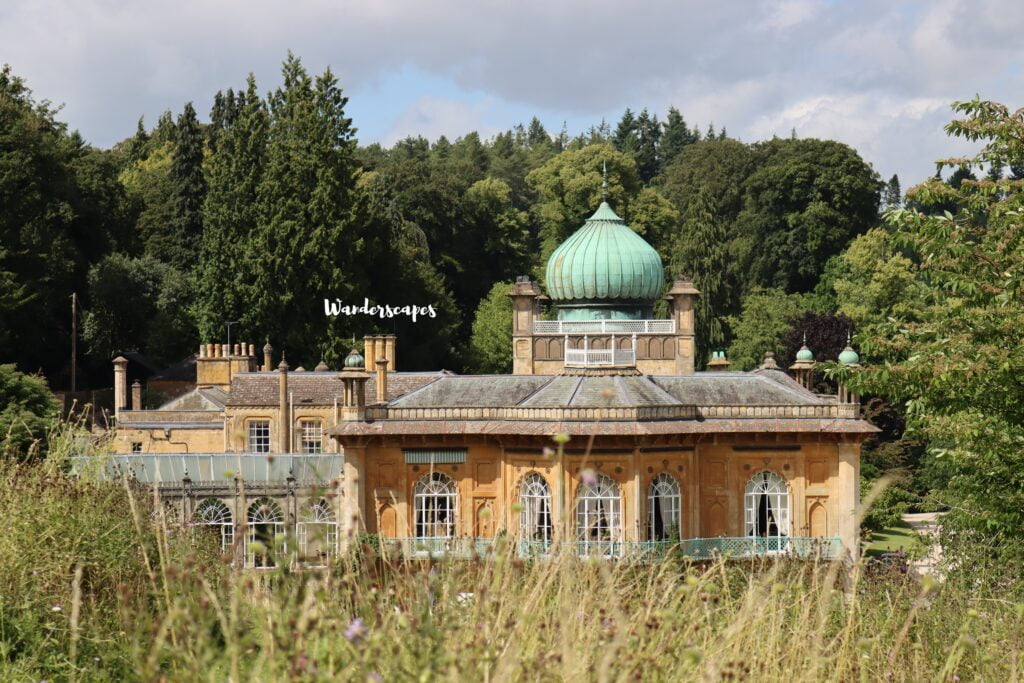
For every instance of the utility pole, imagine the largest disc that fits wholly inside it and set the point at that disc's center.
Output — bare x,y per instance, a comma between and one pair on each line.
74,341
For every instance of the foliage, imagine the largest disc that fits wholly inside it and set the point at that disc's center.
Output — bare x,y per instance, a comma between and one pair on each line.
766,316
826,335
957,363
491,343
28,412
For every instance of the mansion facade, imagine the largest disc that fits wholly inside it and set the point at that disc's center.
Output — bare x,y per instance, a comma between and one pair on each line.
603,437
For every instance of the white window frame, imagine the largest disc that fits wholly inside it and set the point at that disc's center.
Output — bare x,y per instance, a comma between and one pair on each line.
253,428
214,513
136,447
664,498
435,506
311,435
264,515
535,523
766,489
599,515
318,534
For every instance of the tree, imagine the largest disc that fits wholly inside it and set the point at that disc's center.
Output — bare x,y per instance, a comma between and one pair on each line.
766,316
958,363
228,260
804,202
626,134
674,138
28,411
892,197
647,148
491,343
699,250
188,188
536,135
826,335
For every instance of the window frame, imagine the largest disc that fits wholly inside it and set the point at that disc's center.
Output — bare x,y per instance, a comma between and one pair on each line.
251,425
664,487
535,504
435,495
305,423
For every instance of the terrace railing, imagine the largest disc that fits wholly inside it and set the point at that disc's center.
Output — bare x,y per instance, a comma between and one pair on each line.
604,327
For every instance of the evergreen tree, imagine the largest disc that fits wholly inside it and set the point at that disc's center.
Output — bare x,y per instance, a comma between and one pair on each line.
626,138
700,250
892,196
961,174
188,189
228,261
649,132
536,135
674,138
995,170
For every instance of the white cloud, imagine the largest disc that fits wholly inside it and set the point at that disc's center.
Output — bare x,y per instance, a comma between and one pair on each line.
433,117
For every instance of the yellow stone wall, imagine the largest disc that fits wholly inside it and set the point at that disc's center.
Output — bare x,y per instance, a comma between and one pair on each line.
176,441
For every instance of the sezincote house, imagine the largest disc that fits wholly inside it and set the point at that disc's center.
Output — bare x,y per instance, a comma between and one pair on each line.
650,454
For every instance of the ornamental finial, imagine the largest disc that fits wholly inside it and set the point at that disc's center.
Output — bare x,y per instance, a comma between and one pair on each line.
604,181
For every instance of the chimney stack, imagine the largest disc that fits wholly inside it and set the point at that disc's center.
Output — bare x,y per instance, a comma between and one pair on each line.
390,342
268,350
120,384
284,430
370,351
136,395
382,380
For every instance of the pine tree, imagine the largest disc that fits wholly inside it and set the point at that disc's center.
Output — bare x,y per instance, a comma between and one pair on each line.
649,132
536,135
995,170
625,139
710,135
675,136
700,250
892,196
228,261
188,189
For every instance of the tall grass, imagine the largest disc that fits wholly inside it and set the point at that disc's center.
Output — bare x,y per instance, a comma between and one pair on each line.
94,585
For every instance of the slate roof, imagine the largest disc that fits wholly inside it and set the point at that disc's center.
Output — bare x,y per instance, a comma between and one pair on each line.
317,388
208,398
702,389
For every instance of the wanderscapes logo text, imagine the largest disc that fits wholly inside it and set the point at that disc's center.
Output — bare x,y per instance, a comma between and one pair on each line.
338,307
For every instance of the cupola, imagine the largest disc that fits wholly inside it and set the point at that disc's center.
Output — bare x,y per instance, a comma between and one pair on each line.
605,270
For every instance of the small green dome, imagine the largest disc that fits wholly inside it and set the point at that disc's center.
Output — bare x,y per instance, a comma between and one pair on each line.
354,359
804,353
604,260
849,356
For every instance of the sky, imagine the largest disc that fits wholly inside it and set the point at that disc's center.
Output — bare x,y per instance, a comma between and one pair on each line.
878,75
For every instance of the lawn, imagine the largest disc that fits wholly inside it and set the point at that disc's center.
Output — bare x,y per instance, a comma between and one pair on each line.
893,538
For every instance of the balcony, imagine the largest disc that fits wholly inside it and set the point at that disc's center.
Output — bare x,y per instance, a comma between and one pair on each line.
604,327
597,358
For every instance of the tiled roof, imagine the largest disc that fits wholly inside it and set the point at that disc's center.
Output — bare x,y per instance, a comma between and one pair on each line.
317,388
767,387
208,398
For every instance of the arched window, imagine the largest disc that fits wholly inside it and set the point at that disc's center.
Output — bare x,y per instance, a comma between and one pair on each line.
266,525
599,511
435,505
663,505
216,515
318,534
766,505
535,516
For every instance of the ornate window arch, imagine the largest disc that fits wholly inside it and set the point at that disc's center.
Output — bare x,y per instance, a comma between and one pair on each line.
318,533
664,505
213,513
535,516
435,506
266,526
766,505
599,512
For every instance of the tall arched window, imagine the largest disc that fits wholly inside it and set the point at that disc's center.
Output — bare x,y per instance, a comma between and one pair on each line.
435,505
663,505
599,511
266,525
318,534
766,505
216,515
535,516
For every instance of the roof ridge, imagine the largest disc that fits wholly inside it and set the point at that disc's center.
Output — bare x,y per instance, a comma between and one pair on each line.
575,390
658,388
535,391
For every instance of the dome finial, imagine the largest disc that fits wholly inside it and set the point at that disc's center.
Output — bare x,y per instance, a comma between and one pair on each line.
604,181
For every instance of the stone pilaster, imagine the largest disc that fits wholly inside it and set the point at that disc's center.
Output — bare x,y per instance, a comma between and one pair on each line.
524,297
848,495
353,496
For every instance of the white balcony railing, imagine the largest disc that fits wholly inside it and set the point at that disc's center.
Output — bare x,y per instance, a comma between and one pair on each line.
604,326
587,357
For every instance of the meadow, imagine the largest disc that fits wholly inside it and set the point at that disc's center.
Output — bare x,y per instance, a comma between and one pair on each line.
96,585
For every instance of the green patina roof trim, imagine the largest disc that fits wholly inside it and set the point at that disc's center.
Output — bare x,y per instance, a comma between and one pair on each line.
605,259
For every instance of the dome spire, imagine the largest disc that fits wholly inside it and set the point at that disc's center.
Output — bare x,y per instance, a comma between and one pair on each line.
604,181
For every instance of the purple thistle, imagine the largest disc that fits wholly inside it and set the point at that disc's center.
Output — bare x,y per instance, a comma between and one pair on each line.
355,632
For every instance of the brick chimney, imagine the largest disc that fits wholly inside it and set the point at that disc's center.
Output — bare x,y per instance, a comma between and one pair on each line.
390,351
268,350
370,351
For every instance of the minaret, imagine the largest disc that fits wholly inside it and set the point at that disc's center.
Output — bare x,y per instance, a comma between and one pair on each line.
803,368
850,359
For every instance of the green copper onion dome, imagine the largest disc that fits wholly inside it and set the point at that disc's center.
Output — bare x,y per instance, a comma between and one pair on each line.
601,266
849,356
354,359
804,353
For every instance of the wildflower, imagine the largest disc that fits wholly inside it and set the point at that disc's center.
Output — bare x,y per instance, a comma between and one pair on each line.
561,438
588,477
56,608
548,452
355,632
